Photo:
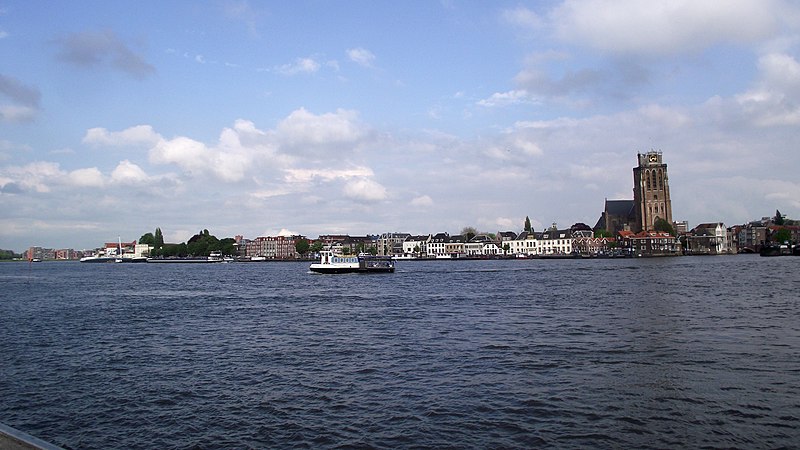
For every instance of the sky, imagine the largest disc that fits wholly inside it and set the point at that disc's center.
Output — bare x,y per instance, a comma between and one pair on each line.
363,117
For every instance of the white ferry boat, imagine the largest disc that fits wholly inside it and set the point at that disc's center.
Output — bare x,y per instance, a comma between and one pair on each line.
333,263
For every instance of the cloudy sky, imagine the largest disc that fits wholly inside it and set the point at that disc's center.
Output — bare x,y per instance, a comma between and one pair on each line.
256,118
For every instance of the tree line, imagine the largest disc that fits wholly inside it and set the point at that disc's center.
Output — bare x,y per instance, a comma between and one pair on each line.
201,244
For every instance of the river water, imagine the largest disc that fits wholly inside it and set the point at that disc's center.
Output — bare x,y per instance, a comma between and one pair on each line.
648,353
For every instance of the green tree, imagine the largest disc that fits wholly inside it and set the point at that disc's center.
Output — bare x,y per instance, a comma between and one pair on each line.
781,236
227,246
778,220
506,248
662,225
317,247
469,232
528,225
8,254
202,244
159,238
302,246
601,233
170,250
148,239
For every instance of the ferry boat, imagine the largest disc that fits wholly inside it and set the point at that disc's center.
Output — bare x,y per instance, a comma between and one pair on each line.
113,259
330,262
213,257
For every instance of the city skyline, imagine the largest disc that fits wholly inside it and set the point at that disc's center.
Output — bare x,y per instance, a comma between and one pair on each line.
258,118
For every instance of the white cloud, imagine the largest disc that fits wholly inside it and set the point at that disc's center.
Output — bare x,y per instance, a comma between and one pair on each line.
36,176
286,232
422,201
128,173
89,177
775,100
302,175
17,113
365,190
507,98
302,128
361,56
188,154
528,148
663,26
522,17
299,66
136,135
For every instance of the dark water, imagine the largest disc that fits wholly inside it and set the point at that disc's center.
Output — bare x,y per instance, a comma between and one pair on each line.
660,353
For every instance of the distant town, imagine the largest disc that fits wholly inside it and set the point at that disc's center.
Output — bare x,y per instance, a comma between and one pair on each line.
641,227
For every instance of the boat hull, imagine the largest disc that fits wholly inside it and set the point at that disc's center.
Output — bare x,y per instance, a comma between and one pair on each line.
112,259
330,263
183,261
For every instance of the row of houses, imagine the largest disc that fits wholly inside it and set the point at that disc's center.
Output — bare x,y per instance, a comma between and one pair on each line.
716,238
704,239
551,242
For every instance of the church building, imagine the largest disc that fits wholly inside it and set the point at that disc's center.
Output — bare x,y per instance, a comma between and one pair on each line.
651,199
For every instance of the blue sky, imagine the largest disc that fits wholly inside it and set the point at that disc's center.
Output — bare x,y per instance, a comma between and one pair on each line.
259,118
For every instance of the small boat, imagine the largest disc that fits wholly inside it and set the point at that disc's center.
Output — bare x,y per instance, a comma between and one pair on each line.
334,263
99,259
775,250
189,260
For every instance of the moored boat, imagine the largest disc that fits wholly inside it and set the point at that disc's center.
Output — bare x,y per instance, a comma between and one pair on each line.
775,250
334,263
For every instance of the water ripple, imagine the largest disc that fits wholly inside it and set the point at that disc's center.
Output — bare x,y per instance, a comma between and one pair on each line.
466,354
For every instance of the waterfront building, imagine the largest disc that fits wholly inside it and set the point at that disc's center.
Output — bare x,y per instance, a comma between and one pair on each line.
271,247
593,246
391,243
416,245
651,192
482,245
749,238
651,199
707,239
525,244
556,242
39,253
455,245
436,246
648,243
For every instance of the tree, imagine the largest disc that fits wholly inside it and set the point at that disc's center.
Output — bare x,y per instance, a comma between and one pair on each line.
528,225
662,225
8,254
469,233
506,248
781,236
778,220
580,226
159,239
602,233
148,239
227,246
317,247
302,246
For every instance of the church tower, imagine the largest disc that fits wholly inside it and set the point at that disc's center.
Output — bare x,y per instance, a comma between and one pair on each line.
651,198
